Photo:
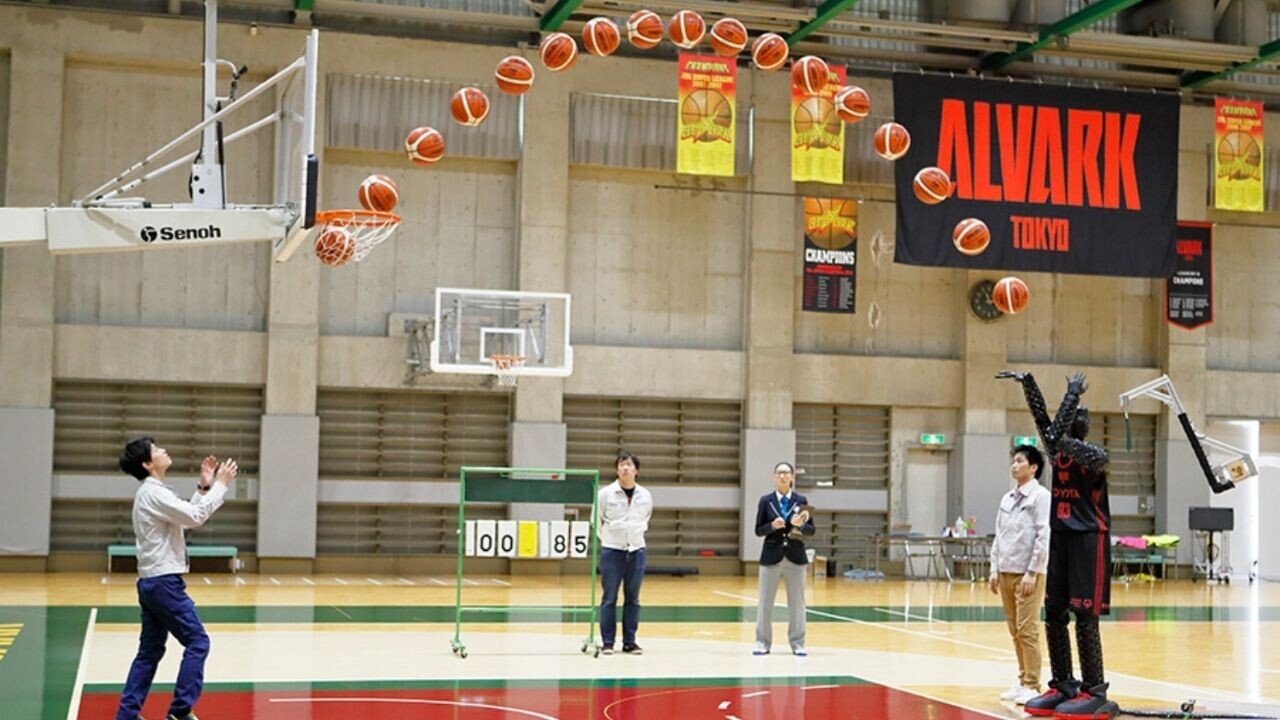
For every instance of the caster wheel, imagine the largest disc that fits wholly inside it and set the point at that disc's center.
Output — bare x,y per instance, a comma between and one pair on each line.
462,654
596,654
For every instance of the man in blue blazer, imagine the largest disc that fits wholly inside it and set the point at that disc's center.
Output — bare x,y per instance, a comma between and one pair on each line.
780,516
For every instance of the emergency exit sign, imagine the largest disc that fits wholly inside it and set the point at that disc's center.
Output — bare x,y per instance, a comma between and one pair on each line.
1031,440
933,439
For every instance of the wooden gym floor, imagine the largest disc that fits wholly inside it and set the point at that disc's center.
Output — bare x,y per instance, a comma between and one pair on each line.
329,647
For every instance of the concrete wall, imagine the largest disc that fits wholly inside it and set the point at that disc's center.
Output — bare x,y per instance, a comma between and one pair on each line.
680,294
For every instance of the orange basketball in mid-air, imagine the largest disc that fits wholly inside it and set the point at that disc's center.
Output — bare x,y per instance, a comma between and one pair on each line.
334,246
424,145
932,185
809,73
378,192
644,29
891,141
728,37
1011,295
559,52
469,106
600,36
514,75
686,29
853,103
769,51
971,236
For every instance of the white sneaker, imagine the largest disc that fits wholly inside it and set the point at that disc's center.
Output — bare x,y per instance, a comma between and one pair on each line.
760,649
1011,693
1025,694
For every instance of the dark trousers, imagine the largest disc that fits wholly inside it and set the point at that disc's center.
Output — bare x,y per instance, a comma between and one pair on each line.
166,610
619,567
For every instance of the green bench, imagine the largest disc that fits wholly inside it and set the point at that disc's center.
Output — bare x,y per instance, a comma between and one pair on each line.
193,551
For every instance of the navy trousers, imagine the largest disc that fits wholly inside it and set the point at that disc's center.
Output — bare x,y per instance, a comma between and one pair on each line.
166,610
619,567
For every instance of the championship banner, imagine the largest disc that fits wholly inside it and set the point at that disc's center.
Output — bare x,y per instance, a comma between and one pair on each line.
1068,180
817,133
830,255
705,122
1237,156
1188,293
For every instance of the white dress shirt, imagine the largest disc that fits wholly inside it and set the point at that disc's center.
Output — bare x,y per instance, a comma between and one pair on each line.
1021,544
623,523
159,519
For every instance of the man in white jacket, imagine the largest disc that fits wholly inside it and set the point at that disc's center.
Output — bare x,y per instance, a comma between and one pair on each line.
159,519
624,509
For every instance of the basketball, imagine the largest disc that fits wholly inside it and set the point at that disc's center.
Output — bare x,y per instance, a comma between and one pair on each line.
469,106
971,236
830,224
514,75
378,192
424,145
728,37
1011,295
852,103
892,141
809,73
932,186
600,37
334,247
644,29
816,112
686,29
559,52
703,104
769,51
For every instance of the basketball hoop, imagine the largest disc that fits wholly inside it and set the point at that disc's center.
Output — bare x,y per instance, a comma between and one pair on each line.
367,228
502,367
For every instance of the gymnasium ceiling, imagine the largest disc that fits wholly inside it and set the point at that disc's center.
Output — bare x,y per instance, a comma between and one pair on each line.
1130,43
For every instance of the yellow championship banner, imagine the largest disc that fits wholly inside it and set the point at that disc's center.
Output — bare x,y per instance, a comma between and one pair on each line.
817,133
705,115
1237,156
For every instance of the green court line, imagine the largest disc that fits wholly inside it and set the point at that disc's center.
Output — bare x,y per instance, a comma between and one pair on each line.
37,674
327,614
477,684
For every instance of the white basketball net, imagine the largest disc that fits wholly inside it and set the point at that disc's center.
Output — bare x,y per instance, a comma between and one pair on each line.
367,228
503,366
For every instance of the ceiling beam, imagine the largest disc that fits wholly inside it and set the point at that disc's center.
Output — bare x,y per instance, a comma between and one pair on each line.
555,17
1200,78
821,16
1086,16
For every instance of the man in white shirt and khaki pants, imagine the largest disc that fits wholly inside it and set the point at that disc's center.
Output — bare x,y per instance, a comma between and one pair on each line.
1019,556
159,519
624,508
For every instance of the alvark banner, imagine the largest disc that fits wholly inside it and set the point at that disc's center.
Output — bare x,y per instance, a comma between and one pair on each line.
1068,180
705,123
1237,155
817,133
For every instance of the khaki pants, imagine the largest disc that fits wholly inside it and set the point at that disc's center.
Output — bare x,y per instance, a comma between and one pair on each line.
1023,617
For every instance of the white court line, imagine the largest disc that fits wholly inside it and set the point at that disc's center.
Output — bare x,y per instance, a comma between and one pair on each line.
1004,654
911,616
340,581
274,581
758,693
207,581
436,581
466,581
73,711
307,581
724,705
807,688
732,717
240,581
372,581
503,583
415,701
883,626
405,581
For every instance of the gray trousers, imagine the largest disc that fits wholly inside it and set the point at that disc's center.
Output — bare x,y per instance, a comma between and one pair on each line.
794,576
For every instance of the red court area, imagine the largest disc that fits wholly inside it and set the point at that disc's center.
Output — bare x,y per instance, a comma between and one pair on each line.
651,702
